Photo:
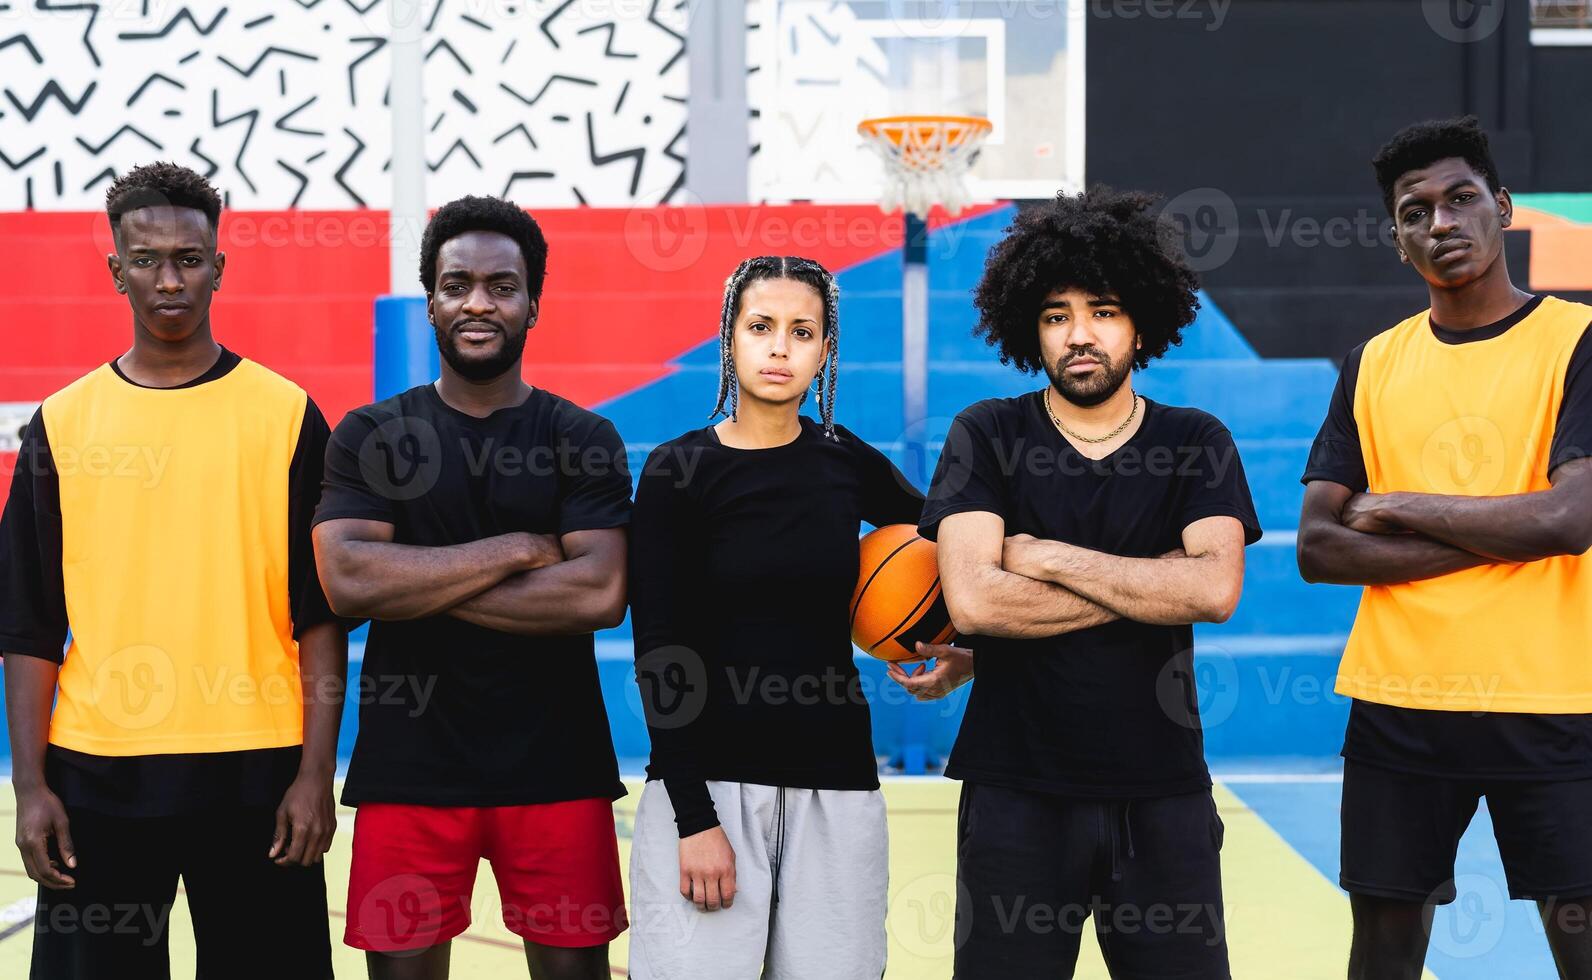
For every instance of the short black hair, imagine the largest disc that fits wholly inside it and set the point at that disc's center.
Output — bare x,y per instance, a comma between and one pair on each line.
1107,242
1425,143
161,184
471,213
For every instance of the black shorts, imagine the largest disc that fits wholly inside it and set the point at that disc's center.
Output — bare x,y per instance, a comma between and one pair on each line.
1402,830
251,918
1033,868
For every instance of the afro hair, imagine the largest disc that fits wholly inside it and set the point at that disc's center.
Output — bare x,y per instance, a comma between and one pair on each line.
1423,144
471,213
156,185
1108,242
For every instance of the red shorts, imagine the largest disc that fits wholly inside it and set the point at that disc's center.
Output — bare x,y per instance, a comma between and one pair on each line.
414,869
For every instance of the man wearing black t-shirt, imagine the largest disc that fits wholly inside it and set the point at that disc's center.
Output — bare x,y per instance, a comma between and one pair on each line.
1082,529
480,524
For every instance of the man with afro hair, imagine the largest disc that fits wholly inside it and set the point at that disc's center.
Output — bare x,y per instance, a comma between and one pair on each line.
1451,479
160,515
1083,528
480,524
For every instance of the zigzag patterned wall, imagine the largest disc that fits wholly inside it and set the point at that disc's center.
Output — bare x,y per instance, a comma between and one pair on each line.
282,102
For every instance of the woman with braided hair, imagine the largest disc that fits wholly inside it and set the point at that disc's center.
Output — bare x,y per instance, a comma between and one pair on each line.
759,846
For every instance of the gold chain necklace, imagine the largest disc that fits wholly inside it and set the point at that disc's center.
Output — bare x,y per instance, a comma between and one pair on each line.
1132,413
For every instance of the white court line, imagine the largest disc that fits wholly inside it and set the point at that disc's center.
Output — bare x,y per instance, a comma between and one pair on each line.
20,910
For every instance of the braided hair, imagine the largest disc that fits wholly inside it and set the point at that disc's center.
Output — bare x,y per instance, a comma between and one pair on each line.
780,267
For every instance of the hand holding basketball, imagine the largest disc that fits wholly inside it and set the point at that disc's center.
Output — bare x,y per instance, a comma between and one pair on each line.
953,667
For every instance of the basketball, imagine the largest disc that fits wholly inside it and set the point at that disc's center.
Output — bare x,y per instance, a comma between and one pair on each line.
898,601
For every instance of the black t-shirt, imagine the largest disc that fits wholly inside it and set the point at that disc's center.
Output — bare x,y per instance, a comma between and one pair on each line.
1497,745
33,621
451,713
1110,711
743,564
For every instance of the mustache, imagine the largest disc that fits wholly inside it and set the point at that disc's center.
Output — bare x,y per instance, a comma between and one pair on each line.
1093,353
458,325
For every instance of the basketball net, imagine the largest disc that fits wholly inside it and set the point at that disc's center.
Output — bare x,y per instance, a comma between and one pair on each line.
926,158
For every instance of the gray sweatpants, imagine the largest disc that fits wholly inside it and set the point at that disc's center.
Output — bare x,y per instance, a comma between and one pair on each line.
834,873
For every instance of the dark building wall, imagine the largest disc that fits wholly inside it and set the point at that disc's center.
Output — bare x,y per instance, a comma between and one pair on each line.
1561,111
1258,120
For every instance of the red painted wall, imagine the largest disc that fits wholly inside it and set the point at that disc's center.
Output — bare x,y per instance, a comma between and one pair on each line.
627,291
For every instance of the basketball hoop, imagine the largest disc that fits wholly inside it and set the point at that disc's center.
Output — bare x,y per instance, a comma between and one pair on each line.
927,158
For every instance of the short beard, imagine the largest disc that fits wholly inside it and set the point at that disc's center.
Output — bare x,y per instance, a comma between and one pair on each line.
1091,391
480,370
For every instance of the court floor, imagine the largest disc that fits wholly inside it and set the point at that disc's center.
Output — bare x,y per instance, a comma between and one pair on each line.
1286,918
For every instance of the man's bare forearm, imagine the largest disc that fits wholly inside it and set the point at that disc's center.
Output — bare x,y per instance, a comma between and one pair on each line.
30,692
570,596
1518,527
384,580
1014,606
323,673
1167,591
1330,553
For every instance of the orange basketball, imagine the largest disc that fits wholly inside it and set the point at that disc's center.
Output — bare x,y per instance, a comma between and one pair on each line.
897,602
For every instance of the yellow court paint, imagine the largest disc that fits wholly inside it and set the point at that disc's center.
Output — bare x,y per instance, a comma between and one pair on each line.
1284,918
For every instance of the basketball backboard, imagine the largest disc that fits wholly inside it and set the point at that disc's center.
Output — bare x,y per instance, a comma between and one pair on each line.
819,67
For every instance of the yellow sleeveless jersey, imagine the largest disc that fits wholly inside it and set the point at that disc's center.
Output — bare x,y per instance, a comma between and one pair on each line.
1471,419
174,560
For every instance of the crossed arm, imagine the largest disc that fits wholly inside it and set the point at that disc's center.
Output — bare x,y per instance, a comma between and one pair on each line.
517,582
1391,538
1024,587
